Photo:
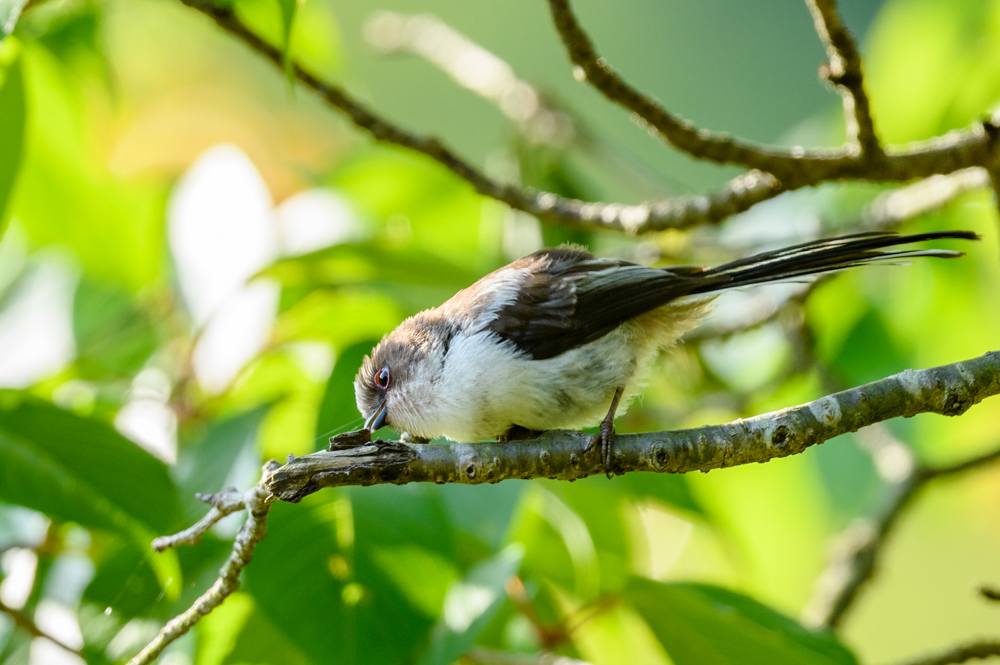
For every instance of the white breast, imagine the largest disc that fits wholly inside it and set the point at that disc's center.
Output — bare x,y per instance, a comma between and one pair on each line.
487,386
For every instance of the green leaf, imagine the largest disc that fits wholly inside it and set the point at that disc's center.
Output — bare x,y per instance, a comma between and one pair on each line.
338,408
706,625
80,469
337,607
288,10
10,11
112,334
672,489
470,605
12,112
208,464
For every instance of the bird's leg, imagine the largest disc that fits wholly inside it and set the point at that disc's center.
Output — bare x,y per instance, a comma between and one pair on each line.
406,437
605,437
518,433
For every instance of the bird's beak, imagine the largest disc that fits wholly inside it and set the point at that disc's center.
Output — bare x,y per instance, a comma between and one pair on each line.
377,420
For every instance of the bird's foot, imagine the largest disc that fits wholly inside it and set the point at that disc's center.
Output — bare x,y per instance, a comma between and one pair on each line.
406,437
604,440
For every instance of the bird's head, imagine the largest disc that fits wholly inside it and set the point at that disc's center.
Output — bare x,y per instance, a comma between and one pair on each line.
393,386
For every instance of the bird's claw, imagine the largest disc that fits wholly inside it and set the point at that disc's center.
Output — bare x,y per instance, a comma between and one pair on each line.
604,440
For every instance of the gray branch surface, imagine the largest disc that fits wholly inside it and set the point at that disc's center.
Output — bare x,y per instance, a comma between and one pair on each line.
948,390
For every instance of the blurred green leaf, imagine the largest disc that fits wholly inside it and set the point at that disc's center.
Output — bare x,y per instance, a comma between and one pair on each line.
423,576
80,470
328,608
10,11
598,504
406,514
671,489
483,512
707,625
414,277
12,109
869,352
123,580
470,605
113,335
207,465
113,225
338,408
288,10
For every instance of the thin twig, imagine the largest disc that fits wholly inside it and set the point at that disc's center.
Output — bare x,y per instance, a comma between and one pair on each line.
25,623
844,71
855,559
948,390
796,168
484,656
257,502
740,194
960,654
224,503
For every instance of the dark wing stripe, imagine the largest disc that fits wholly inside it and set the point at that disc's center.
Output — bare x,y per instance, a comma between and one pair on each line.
570,298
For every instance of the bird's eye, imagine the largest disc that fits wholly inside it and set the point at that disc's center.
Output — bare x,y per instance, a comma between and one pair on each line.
382,379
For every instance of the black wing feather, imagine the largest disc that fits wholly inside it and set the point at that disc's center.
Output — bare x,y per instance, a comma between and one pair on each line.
569,298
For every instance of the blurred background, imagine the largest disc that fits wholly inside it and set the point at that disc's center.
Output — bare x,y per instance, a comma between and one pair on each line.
196,255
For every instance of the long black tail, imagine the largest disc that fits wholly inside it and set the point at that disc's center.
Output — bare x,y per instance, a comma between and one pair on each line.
821,256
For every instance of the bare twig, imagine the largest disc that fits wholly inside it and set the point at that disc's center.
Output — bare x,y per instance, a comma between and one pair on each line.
960,654
474,68
257,503
791,168
740,194
844,71
857,552
484,656
891,209
25,623
794,167
224,503
948,390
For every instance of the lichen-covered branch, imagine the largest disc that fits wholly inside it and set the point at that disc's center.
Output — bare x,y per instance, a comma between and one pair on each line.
776,170
844,72
257,502
948,390
858,548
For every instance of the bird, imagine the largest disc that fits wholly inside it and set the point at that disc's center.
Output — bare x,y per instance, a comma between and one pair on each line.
562,339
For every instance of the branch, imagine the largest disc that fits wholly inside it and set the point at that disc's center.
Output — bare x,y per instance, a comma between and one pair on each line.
961,654
844,72
740,194
947,390
794,168
492,78
484,656
25,623
257,503
856,556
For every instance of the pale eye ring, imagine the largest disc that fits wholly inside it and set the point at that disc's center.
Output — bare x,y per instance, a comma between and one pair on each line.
382,379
